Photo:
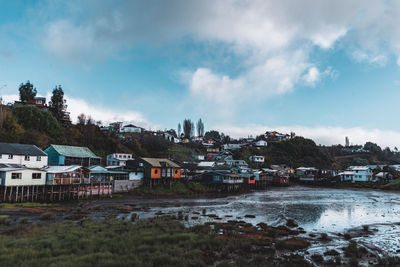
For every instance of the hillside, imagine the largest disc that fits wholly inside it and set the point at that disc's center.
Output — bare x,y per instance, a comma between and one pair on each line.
295,152
31,125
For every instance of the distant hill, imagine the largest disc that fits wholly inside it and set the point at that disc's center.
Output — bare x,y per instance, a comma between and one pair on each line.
294,152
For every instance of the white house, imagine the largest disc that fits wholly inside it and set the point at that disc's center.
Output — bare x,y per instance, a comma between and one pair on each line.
118,159
358,174
199,157
12,175
25,155
231,146
260,143
130,128
257,159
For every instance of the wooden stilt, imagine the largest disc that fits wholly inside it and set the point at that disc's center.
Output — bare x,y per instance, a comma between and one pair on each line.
9,198
5,194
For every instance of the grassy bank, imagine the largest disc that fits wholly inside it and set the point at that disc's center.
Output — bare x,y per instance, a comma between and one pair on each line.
395,185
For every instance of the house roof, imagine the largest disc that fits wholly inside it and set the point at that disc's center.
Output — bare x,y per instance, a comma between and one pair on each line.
158,162
74,151
20,149
206,164
130,125
61,169
358,168
16,167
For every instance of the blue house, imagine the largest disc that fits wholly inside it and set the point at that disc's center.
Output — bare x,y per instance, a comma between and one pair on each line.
60,155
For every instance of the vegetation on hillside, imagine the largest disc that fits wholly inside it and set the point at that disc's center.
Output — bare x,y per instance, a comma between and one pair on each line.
295,152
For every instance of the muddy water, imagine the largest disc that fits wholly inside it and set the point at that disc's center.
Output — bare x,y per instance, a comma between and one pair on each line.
314,209
318,210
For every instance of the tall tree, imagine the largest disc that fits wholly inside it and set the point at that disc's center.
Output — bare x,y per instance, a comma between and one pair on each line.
192,129
200,128
187,127
27,92
57,104
179,129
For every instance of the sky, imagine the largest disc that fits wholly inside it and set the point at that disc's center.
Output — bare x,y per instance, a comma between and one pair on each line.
323,69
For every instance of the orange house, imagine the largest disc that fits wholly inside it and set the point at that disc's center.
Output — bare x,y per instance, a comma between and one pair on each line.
156,168
250,180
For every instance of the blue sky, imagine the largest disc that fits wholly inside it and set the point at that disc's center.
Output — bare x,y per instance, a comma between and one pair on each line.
324,69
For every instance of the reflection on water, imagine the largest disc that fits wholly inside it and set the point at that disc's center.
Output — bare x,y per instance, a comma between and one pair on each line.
314,209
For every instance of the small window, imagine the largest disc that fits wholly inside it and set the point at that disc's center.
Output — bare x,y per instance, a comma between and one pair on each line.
16,175
36,175
38,158
155,171
10,156
27,158
176,171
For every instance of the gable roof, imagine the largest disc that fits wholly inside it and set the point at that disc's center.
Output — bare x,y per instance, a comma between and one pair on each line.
130,126
20,149
74,151
159,162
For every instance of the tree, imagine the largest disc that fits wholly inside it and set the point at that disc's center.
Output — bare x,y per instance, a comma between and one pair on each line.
372,147
27,92
212,135
57,104
82,119
187,127
179,129
192,129
200,128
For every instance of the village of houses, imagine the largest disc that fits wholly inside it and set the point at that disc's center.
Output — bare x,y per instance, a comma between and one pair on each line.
62,172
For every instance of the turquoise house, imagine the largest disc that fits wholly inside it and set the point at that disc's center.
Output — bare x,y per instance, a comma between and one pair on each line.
61,155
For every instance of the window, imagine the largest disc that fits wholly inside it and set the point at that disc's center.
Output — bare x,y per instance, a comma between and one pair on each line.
10,156
16,175
155,171
36,175
38,158
27,158
176,171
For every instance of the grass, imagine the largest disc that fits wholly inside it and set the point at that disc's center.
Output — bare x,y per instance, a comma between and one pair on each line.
26,205
112,242
160,241
395,185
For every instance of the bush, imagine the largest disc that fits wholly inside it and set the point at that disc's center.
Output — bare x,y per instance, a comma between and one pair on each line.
5,219
48,216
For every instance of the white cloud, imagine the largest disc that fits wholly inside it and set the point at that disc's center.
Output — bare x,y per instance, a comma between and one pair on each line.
321,135
98,113
312,76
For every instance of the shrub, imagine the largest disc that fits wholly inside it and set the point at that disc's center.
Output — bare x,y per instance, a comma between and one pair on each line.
5,219
48,216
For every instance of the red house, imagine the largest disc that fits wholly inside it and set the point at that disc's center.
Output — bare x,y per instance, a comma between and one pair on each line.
39,102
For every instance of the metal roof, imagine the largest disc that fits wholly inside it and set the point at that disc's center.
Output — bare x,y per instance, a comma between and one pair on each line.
74,151
158,162
20,149
61,169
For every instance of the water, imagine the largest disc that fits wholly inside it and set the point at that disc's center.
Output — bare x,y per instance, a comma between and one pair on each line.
314,209
318,210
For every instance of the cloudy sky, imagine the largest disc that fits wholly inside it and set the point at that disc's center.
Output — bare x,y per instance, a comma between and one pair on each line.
324,69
